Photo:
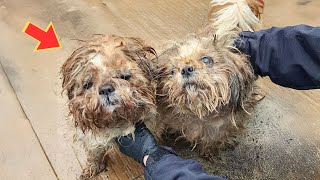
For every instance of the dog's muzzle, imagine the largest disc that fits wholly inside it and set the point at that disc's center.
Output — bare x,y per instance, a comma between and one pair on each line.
187,71
107,93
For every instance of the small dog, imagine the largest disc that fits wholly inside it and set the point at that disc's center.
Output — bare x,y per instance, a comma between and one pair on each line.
109,86
205,85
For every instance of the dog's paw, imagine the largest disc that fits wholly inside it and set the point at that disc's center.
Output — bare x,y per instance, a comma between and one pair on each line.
92,170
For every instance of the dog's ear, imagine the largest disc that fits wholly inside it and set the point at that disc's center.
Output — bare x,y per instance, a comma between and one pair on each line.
242,79
137,49
171,49
73,66
143,54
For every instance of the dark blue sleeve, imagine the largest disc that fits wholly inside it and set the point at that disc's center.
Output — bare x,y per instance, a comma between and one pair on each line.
173,167
290,56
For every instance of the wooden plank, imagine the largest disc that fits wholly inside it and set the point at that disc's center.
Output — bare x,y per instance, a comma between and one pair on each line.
284,13
21,156
36,81
155,21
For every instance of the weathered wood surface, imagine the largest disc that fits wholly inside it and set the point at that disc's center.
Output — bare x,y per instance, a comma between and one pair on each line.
21,156
282,141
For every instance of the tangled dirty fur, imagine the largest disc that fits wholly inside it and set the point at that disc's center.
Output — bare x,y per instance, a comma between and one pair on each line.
109,84
229,17
205,85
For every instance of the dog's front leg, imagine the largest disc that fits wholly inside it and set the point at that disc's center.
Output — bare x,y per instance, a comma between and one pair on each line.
96,162
217,134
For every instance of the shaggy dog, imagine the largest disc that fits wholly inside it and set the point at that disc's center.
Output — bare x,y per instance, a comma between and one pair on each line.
109,86
206,86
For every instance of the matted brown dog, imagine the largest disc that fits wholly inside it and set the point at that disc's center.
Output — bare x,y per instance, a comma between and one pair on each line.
205,85
109,86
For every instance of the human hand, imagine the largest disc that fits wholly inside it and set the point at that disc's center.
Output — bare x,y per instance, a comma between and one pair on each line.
140,145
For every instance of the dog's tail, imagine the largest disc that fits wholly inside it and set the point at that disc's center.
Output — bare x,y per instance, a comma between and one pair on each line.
233,16
257,7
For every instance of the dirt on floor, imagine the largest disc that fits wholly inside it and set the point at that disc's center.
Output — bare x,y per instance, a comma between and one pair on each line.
282,140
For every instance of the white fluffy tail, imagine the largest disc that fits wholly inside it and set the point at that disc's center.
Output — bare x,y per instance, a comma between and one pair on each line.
229,17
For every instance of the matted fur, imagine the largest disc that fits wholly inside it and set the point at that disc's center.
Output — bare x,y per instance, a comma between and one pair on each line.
124,64
230,17
257,7
208,108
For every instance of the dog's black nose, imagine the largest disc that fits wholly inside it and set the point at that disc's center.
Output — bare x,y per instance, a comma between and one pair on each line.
106,90
187,71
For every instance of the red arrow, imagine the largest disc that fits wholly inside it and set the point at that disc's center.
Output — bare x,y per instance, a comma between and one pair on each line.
47,39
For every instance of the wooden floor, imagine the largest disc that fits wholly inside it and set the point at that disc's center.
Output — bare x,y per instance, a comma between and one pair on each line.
282,141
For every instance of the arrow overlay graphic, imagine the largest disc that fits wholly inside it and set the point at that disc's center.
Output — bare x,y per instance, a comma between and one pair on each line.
48,39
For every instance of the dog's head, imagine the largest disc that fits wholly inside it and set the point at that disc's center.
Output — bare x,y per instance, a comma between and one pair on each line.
200,77
108,82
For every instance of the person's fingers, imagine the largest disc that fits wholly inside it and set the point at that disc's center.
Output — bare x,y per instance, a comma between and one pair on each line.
140,125
124,140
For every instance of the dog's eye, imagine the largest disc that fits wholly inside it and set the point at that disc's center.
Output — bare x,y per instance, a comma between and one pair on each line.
206,59
126,76
88,85
173,71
